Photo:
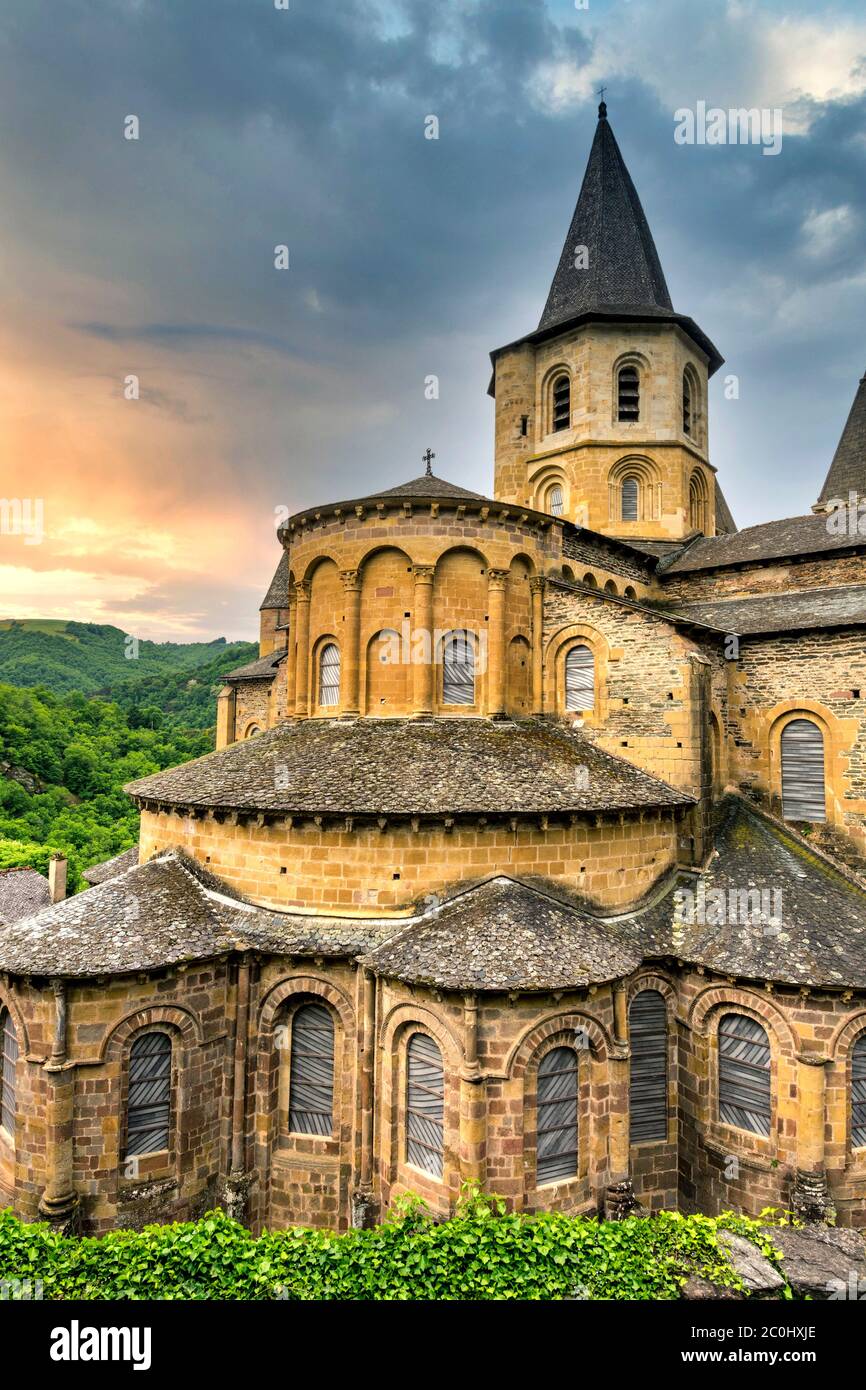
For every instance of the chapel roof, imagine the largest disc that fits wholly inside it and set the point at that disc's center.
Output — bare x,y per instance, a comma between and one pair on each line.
771,540
278,592
847,471
110,868
467,766
262,668
843,605
22,891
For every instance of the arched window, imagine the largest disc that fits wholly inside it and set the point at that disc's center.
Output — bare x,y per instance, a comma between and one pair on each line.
253,730
556,1144
858,1093
803,771
329,675
590,581
629,494
697,503
648,1087
744,1074
629,592
687,404
561,403
628,393
10,1067
425,1105
580,679
148,1102
610,587
311,1073
555,502
458,669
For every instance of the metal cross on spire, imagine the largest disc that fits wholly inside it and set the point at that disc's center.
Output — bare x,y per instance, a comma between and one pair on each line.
427,459
602,105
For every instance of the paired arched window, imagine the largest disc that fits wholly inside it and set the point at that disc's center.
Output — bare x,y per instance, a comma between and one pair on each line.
580,679
803,795
458,669
555,502
311,1072
858,1093
648,1083
629,498
744,1074
329,675
628,393
10,1068
148,1101
425,1105
561,398
556,1142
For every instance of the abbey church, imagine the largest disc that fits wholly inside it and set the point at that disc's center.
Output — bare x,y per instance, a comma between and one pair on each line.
532,851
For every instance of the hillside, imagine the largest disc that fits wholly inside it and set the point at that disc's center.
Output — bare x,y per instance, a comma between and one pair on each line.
94,659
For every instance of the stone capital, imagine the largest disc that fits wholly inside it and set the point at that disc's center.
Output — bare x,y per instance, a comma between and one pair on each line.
423,574
351,580
537,584
302,591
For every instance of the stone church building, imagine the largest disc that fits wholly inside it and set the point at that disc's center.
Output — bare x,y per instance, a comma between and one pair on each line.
533,849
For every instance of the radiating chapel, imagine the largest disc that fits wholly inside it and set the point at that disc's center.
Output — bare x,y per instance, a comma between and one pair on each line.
533,849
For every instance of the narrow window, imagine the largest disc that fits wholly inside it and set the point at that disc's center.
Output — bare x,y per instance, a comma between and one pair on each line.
744,1074
148,1105
629,592
10,1066
554,500
425,1105
580,680
803,771
648,1093
628,393
311,1074
329,675
629,493
687,404
697,504
561,403
557,1116
858,1094
458,669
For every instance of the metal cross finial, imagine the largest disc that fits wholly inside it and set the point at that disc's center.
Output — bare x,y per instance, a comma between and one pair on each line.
428,459
602,106
601,92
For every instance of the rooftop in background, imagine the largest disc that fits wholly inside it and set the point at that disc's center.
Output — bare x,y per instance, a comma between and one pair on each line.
23,891
843,606
847,472
772,540
110,868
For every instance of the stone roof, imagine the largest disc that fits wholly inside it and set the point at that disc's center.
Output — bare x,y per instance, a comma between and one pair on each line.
623,269
773,540
439,766
841,606
848,470
428,485
262,669
816,937
724,519
110,868
22,892
278,593
502,935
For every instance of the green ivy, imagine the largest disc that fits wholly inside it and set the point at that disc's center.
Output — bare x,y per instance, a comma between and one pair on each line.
483,1252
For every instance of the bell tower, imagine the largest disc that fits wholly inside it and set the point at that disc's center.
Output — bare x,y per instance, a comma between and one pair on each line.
601,412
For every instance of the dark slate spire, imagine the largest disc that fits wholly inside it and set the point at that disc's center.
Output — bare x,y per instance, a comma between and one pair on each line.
623,271
848,469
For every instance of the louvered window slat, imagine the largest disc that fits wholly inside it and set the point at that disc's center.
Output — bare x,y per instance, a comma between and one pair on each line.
687,405
329,675
10,1065
555,501
458,669
580,680
425,1105
629,499
557,1145
628,394
311,1074
648,1092
561,403
744,1074
803,771
148,1108
858,1094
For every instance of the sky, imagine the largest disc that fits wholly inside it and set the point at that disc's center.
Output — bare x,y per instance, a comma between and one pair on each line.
262,388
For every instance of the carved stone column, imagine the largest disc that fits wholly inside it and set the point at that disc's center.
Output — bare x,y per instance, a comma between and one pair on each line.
473,1100
302,657
537,587
59,1203
291,651
496,593
422,668
811,1197
350,695
363,1201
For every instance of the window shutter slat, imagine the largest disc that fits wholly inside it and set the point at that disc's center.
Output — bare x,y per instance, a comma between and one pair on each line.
803,771
744,1074
648,1092
148,1106
557,1142
580,680
458,669
858,1094
629,495
329,675
10,1066
425,1105
311,1073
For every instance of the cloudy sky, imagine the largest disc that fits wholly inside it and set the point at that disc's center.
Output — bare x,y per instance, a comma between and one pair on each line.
263,388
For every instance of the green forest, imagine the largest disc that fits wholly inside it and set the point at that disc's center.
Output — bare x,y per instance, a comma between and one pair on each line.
78,719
